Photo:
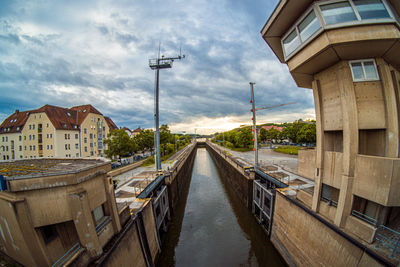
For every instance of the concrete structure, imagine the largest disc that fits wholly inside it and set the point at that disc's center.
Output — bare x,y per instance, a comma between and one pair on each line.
52,131
56,210
348,53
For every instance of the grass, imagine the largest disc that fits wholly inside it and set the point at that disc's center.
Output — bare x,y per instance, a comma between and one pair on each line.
150,160
292,150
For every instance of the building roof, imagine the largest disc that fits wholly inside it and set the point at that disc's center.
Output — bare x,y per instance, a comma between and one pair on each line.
111,124
61,118
272,127
137,130
15,122
33,168
127,129
84,110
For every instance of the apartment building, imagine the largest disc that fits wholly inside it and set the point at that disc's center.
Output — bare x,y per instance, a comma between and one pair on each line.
348,53
52,131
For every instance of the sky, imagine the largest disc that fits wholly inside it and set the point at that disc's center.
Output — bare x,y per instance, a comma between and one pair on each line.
69,53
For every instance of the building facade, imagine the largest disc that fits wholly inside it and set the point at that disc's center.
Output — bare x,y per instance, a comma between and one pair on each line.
52,131
348,53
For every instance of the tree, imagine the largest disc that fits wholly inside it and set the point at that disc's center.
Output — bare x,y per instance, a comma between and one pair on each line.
291,130
273,134
145,139
119,144
244,138
307,134
263,134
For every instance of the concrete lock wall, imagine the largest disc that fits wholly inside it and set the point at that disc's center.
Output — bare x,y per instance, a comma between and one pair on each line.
241,183
303,240
179,180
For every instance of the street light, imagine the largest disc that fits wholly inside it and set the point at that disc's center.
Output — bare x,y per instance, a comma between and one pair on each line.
157,64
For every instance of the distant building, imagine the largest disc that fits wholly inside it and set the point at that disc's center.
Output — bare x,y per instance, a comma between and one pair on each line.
128,131
280,129
52,131
136,131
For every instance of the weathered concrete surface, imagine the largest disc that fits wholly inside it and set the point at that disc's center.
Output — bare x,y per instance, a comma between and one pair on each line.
239,180
305,241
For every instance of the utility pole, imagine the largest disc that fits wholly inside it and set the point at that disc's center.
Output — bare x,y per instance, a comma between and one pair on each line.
253,105
253,110
157,64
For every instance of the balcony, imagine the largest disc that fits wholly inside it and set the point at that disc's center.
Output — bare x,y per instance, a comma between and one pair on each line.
374,172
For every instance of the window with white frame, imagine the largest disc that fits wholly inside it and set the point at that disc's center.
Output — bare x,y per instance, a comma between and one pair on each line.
364,70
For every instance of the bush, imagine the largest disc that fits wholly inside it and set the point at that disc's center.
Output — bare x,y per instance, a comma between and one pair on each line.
149,161
292,150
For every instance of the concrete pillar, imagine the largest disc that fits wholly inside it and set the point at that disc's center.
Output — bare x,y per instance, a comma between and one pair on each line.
32,241
350,141
112,204
320,145
83,220
392,114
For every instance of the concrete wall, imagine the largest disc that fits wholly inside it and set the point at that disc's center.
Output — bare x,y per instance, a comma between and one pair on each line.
307,163
179,180
305,241
241,183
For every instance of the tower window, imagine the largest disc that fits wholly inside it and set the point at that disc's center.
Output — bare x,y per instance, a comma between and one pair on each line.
364,70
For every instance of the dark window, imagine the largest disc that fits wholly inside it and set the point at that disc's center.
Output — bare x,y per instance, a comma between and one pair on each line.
267,202
330,194
158,211
49,233
258,193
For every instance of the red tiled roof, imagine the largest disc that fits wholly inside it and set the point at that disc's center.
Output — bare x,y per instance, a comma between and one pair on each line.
84,110
15,122
272,127
137,130
61,118
111,124
126,129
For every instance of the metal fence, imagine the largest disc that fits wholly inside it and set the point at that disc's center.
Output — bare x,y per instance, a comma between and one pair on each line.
388,238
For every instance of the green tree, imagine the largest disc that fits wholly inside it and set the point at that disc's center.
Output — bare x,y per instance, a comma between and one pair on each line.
263,134
119,144
307,134
244,138
145,139
273,134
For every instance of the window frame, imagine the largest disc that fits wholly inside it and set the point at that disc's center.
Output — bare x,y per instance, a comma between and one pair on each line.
362,61
393,18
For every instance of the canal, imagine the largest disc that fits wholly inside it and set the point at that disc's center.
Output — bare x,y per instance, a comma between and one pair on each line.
211,228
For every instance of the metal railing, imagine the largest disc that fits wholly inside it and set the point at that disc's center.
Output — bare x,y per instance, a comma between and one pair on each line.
101,225
67,255
364,217
331,202
388,238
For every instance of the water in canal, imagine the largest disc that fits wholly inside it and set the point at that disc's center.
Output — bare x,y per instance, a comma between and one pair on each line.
211,228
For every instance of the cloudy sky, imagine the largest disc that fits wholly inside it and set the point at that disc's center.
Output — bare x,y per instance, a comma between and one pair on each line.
69,53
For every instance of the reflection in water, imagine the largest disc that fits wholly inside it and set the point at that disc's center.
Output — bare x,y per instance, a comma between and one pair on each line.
214,229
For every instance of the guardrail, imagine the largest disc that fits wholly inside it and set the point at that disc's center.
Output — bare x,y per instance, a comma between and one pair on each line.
364,217
388,238
67,255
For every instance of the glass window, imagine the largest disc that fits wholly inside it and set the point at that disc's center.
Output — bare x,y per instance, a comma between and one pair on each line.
309,26
371,9
291,42
364,70
370,70
338,12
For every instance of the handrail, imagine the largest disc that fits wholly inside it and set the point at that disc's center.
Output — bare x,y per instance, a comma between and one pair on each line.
364,217
102,224
75,248
391,240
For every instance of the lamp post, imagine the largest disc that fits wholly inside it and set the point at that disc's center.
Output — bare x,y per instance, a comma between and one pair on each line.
157,64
